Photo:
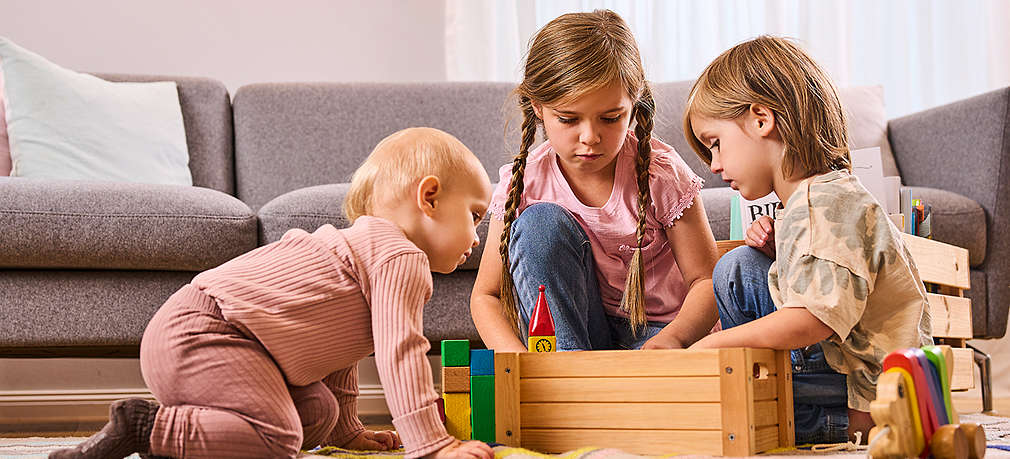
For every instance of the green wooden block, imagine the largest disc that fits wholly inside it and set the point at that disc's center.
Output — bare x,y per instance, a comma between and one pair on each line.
455,353
482,407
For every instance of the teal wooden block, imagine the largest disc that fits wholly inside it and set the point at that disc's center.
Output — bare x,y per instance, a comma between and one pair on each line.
455,353
482,407
481,362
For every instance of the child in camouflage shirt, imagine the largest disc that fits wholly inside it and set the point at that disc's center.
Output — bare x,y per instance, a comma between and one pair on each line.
830,279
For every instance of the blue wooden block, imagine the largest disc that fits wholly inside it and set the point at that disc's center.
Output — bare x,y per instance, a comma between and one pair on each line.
481,362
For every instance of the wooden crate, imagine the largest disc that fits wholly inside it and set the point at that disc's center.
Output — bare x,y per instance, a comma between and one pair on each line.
947,266
733,402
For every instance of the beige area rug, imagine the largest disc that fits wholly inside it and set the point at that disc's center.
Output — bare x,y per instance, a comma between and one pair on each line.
997,434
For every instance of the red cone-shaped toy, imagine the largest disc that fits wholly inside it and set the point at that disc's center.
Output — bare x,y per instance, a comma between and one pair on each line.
542,323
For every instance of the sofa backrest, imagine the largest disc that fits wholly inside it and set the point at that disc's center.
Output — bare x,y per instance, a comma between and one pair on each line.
206,115
293,135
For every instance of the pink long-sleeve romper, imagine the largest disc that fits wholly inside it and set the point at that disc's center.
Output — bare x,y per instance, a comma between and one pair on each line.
258,357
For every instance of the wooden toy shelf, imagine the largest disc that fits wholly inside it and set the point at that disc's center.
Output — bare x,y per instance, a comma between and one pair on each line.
733,402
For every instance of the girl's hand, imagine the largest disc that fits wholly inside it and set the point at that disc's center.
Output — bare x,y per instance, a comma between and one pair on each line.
369,440
463,450
761,236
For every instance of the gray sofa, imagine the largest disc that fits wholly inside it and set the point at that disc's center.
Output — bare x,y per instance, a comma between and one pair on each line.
84,265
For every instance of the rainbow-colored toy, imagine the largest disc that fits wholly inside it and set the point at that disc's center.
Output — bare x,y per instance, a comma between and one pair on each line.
913,414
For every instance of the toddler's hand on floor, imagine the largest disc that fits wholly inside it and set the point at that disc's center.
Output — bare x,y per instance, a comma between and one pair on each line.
374,441
464,450
761,236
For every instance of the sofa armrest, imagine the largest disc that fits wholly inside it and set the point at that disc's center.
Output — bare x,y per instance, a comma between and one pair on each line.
66,224
964,147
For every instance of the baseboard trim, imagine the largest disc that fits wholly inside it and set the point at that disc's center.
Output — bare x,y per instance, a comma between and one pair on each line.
21,409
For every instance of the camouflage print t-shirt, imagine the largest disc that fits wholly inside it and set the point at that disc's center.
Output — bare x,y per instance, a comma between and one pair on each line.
839,256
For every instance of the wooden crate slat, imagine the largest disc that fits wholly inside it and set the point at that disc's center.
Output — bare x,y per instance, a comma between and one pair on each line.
641,389
766,413
784,382
963,377
737,405
951,316
673,362
766,389
722,247
620,415
506,398
766,438
939,263
640,441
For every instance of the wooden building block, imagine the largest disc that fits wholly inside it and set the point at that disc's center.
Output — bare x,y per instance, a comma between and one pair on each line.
455,353
963,375
482,407
455,379
506,399
542,343
481,362
457,415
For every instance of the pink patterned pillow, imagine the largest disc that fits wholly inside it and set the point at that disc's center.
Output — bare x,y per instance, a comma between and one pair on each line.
5,145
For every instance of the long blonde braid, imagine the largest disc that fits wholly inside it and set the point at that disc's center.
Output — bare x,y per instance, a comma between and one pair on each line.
516,184
633,301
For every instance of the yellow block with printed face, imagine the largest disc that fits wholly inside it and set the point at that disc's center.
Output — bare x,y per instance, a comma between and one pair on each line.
457,415
541,344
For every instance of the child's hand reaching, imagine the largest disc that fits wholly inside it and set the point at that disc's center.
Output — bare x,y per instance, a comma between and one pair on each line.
369,440
464,450
761,236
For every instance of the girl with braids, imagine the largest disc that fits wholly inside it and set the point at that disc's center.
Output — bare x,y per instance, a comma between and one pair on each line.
609,219
830,279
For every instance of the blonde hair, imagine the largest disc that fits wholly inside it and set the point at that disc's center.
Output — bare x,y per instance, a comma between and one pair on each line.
573,55
399,161
776,73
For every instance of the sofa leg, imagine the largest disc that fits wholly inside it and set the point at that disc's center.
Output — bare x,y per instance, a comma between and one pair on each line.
985,374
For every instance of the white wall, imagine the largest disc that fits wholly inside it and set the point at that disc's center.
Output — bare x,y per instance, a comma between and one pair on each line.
237,42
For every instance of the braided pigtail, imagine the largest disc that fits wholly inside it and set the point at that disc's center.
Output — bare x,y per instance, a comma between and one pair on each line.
633,301
508,300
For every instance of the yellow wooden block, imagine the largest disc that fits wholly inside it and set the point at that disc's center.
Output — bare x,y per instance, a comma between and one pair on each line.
455,379
457,415
542,344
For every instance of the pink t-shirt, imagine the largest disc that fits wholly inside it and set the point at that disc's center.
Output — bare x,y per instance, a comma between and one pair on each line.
611,228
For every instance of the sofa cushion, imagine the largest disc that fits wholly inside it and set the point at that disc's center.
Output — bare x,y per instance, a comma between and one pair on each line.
294,135
96,225
305,208
309,208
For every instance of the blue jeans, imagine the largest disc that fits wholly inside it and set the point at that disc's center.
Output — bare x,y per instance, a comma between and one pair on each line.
548,247
820,395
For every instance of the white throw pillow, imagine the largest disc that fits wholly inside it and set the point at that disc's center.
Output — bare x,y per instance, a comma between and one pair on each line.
63,124
867,118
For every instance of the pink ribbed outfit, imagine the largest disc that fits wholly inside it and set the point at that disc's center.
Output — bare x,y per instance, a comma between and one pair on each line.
258,357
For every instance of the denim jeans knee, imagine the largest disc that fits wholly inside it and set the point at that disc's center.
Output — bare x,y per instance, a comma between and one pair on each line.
548,247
